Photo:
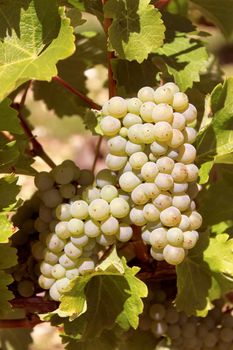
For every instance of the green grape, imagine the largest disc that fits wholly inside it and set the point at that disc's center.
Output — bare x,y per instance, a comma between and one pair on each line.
110,226
165,165
173,255
131,119
116,145
119,208
105,241
26,288
146,94
117,107
172,315
180,102
45,282
163,95
123,132
38,250
108,193
75,227
72,251
58,271
128,181
158,238
170,216
157,312
44,181
86,177
51,198
99,209
63,212
105,177
50,257
110,126
162,113
134,105
125,232
137,217
174,331
175,237
63,174
54,294
45,215
80,241
40,226
158,328
62,230
146,111
115,162
79,209
52,225
67,191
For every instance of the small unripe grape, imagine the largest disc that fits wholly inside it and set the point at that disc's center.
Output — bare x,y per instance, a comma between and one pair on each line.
157,312
181,201
105,177
149,171
184,223
158,238
58,271
137,160
51,198
179,187
99,209
45,215
108,193
172,86
117,107
137,216
119,208
86,177
211,339
172,315
152,157
180,102
177,139
158,148
26,288
45,282
63,174
162,112
170,216
139,195
54,243
131,148
190,135
164,181
38,250
174,331
110,126
40,225
150,212
190,239
135,133
79,209
162,131
195,220
187,153
115,162
165,165
146,94
80,241
125,233
173,255
72,273
148,133
163,200
128,181
123,132
110,226
67,191
117,145
75,227
146,111
54,294
190,114
175,237
163,95
178,121
156,254
62,230
66,262
134,105
192,171
179,172
44,181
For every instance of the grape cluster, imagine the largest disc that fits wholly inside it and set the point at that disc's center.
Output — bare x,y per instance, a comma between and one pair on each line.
77,218
150,148
213,332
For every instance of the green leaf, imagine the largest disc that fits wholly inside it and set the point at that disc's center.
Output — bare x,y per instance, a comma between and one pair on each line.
218,12
179,7
27,54
9,120
9,190
8,256
137,340
6,295
107,341
94,7
6,229
15,339
137,28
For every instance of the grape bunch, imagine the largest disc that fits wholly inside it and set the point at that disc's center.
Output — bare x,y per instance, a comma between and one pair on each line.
150,141
77,219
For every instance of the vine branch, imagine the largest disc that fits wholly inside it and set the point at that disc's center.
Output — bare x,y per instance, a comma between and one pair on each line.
100,139
74,91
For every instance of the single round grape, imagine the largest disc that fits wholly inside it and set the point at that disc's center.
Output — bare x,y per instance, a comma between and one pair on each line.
178,121
162,113
192,171
79,209
148,133
46,269
54,243
58,271
173,154
175,237
184,223
115,162
110,226
106,241
159,328
173,255
62,284
26,288
157,254
54,294
170,216
181,201
179,187
86,177
131,148
45,215
128,181
179,172
163,200
75,227
63,174
116,145
158,148
108,193
44,181
146,236
150,212
146,111
40,225
105,177
38,250
67,191
51,198
125,232
164,181
190,239
158,238
123,132
63,212
45,282
119,208
174,331
86,266
176,140
146,94
117,107
149,171
165,165
162,131
137,160
172,86
180,102
99,209
72,273
62,230
190,113
163,95
190,135
66,262
150,189
172,315
90,193
134,105
110,126
50,257
195,220
80,241
226,319
137,217
211,339
157,312
135,133
139,195
187,153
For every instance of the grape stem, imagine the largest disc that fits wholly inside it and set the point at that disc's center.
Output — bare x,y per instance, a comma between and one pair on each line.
21,323
98,146
74,91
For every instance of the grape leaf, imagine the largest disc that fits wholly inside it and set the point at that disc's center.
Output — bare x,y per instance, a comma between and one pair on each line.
8,257
136,30
27,54
9,120
6,229
9,190
218,12
6,295
107,341
137,340
205,274
15,339
94,7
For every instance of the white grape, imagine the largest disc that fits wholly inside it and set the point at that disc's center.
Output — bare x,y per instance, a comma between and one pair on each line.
54,294
190,239
108,193
72,251
106,240
62,284
173,154
134,105
117,145
105,177
80,241
51,198
173,255
110,126
158,148
162,131
181,201
135,133
184,223
123,132
146,94
119,208
146,111
164,181
63,212
172,86
75,227
117,107
66,262
150,189
62,230
190,135
163,200
178,121
44,181
176,139
139,196
190,113
195,220
72,273
110,226
175,237
148,133
67,191
149,171
54,243
86,266
179,187
187,153
99,209
115,162
137,160
125,232
157,254
158,238
146,236
128,181
170,216
152,157
192,171
50,257
165,165
45,282
131,148
162,112
137,216
104,109
58,271
180,102
179,172
79,209
90,193
150,212
163,95
46,269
